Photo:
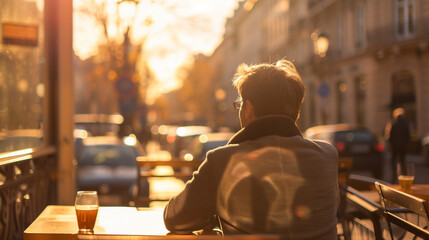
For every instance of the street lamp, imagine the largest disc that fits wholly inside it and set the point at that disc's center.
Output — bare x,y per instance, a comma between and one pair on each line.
321,45
320,42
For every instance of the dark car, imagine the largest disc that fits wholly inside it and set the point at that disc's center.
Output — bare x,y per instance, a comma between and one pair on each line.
200,145
108,165
184,135
352,141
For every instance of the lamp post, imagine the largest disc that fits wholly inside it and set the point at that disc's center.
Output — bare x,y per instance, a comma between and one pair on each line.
321,46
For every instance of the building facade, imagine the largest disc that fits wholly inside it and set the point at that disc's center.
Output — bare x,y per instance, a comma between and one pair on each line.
375,62
244,42
36,111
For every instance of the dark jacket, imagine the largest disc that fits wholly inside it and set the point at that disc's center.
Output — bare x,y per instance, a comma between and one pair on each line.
268,179
399,134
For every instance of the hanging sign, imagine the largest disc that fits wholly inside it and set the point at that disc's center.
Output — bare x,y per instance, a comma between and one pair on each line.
323,90
20,34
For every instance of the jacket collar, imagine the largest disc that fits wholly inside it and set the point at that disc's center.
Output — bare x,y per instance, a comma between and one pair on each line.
270,125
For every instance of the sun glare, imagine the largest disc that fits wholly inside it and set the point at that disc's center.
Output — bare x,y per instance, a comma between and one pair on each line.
155,23
127,12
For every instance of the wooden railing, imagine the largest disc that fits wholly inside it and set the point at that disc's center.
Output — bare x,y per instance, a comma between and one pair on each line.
27,186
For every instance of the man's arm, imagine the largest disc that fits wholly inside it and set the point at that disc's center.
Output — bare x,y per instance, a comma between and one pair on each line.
193,208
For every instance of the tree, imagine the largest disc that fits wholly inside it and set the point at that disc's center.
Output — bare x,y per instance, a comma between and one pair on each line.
196,93
118,51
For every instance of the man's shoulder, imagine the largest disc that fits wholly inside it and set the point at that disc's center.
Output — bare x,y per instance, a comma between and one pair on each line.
222,150
274,140
319,142
322,144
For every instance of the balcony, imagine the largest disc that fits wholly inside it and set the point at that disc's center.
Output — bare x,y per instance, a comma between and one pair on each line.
385,35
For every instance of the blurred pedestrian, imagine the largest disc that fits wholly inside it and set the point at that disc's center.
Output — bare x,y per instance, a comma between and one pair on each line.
399,137
268,178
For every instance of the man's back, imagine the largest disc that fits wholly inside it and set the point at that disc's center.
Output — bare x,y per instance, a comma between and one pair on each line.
282,185
268,179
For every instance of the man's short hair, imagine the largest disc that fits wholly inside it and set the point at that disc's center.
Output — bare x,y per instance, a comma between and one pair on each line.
272,88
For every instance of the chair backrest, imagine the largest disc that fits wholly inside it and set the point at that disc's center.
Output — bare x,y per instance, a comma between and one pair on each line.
415,204
362,202
363,207
364,183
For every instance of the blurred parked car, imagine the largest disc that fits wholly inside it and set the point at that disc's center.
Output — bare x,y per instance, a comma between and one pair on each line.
99,124
164,134
200,145
176,138
352,141
107,164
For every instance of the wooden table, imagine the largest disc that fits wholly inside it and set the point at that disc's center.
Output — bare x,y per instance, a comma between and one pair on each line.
59,222
418,190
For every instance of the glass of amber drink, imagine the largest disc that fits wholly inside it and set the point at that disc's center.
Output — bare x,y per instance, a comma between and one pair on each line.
405,175
86,205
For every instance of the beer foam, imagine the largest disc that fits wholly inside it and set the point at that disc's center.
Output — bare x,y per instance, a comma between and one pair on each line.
404,177
86,207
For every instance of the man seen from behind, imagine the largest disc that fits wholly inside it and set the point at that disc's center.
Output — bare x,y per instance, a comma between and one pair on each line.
268,179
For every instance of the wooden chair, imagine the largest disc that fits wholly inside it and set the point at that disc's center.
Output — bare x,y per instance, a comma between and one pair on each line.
363,211
344,169
417,205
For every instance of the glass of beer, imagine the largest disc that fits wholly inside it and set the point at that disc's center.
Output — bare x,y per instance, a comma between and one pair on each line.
86,205
405,175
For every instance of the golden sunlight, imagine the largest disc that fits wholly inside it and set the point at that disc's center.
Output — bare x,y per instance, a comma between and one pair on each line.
168,32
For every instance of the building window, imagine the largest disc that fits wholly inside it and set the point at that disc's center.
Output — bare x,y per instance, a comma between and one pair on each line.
404,18
341,106
21,75
360,25
360,98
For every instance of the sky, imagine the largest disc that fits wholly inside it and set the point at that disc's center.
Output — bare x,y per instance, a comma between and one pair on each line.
179,29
